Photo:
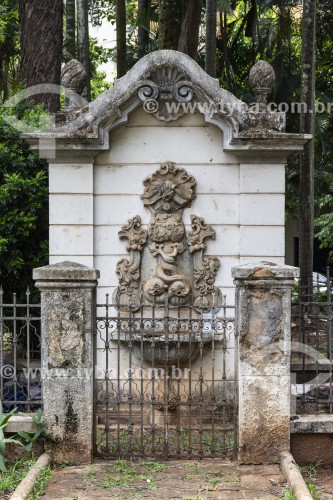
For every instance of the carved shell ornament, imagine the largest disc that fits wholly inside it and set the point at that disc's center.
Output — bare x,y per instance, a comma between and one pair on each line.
189,280
166,85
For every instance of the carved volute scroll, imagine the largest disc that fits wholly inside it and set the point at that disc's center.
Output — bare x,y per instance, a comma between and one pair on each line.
205,267
166,84
180,270
128,271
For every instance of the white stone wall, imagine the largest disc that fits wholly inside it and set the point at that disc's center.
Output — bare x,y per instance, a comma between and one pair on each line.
71,212
137,150
243,199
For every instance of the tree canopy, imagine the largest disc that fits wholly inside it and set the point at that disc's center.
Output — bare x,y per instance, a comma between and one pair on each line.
225,36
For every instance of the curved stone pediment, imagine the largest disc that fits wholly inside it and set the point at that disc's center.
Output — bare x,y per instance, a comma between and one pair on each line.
177,85
165,76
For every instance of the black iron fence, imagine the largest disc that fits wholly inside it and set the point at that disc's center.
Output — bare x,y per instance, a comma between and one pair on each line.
20,361
120,332
166,384
311,327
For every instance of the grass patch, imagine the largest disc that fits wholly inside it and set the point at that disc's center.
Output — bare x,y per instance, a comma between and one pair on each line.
154,466
69,463
16,471
309,472
129,475
41,483
288,495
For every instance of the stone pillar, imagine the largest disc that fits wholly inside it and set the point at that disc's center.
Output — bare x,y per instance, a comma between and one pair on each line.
263,306
68,293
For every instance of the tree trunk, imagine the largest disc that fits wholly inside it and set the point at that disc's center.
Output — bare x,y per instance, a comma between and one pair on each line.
143,27
224,40
41,47
210,65
70,27
121,37
189,35
83,42
307,127
169,13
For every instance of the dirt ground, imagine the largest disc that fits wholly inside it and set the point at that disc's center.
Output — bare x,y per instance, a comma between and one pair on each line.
177,480
172,480
323,478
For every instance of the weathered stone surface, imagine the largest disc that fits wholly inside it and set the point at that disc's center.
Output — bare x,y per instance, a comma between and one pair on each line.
167,192
68,408
264,331
66,329
263,304
171,76
20,423
68,310
64,271
308,424
264,418
205,479
262,79
73,76
264,270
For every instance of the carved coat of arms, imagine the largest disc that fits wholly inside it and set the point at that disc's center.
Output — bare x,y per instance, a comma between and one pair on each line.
167,263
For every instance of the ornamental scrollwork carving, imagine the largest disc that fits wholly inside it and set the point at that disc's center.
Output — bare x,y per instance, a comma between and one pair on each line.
167,86
205,267
128,270
200,231
176,269
169,190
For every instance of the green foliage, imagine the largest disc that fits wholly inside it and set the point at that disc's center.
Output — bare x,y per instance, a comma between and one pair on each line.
102,9
17,471
98,55
29,438
288,495
324,223
310,473
23,209
99,84
41,483
246,31
4,418
9,47
154,466
25,439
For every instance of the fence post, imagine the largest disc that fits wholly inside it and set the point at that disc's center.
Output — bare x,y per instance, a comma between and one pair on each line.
68,299
263,307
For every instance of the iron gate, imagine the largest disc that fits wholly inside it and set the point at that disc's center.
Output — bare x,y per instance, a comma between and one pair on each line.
20,334
165,381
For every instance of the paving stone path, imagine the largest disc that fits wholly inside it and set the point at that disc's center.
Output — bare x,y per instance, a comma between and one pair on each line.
172,480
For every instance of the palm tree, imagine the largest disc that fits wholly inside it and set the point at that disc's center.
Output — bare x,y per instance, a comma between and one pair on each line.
169,23
121,37
210,65
307,127
83,41
189,35
70,27
143,26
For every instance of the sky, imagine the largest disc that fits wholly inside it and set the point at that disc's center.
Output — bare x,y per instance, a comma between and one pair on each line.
106,36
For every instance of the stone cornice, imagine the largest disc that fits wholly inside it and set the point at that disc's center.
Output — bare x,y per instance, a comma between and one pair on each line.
168,76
